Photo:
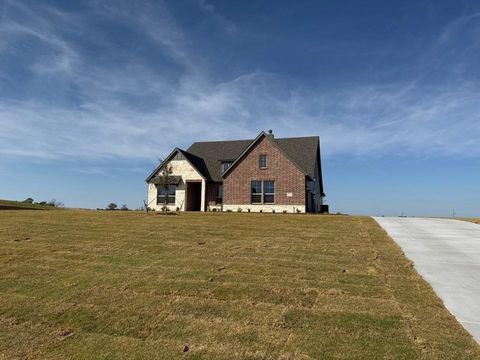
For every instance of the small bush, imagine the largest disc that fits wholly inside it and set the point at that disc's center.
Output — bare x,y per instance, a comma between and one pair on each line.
299,211
229,210
165,209
239,210
261,210
248,210
273,211
284,211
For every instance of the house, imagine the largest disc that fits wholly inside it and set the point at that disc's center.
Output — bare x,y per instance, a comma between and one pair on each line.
265,174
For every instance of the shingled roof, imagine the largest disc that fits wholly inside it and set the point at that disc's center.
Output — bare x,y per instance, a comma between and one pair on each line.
214,152
303,151
207,156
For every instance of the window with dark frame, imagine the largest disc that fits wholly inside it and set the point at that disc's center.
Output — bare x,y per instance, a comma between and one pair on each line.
168,192
263,192
269,192
262,161
256,192
225,165
219,197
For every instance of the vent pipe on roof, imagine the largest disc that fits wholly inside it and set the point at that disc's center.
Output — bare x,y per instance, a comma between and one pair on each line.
270,132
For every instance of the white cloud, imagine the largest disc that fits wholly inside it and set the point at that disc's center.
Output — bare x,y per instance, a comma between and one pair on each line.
407,118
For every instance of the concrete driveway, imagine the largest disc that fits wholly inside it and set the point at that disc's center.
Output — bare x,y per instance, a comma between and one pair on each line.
446,253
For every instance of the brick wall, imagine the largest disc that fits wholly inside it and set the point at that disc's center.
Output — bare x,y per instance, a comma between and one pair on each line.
212,193
288,178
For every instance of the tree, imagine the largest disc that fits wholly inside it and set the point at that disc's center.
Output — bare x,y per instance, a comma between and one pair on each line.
28,201
112,206
164,179
55,203
124,207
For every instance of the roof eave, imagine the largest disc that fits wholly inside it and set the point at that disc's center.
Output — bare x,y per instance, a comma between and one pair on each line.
243,153
168,159
161,164
198,170
272,141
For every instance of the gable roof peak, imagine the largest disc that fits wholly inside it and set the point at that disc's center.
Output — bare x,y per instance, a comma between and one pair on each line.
196,162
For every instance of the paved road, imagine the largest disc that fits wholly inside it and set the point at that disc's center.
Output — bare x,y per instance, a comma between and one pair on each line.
447,255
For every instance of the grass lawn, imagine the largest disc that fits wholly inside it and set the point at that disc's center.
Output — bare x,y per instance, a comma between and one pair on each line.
123,285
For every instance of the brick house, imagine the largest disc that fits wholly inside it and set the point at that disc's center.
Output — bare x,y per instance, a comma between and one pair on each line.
265,174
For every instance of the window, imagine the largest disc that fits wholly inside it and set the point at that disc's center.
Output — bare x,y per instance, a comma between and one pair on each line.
219,198
168,192
263,192
225,165
262,161
268,192
256,192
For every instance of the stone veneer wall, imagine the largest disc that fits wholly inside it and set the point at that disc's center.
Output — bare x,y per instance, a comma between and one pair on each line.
266,208
188,173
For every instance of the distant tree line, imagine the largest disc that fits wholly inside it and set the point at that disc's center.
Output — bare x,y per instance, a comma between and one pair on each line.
113,206
53,202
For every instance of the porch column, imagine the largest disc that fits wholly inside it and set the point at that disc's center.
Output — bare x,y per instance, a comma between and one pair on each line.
204,191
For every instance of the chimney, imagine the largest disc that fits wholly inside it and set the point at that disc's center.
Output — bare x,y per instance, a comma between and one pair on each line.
270,132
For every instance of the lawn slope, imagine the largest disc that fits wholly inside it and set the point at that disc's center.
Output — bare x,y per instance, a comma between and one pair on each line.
474,220
125,285
20,205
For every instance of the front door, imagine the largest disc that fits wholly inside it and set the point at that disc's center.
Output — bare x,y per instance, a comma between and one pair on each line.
194,195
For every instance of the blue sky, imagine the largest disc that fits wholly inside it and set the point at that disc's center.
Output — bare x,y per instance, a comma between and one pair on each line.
93,93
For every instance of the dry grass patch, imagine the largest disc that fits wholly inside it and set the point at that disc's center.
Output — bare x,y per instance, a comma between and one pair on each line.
474,220
214,286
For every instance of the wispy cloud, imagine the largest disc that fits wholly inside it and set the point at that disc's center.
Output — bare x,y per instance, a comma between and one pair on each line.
124,106
228,25
92,171
59,55
457,27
